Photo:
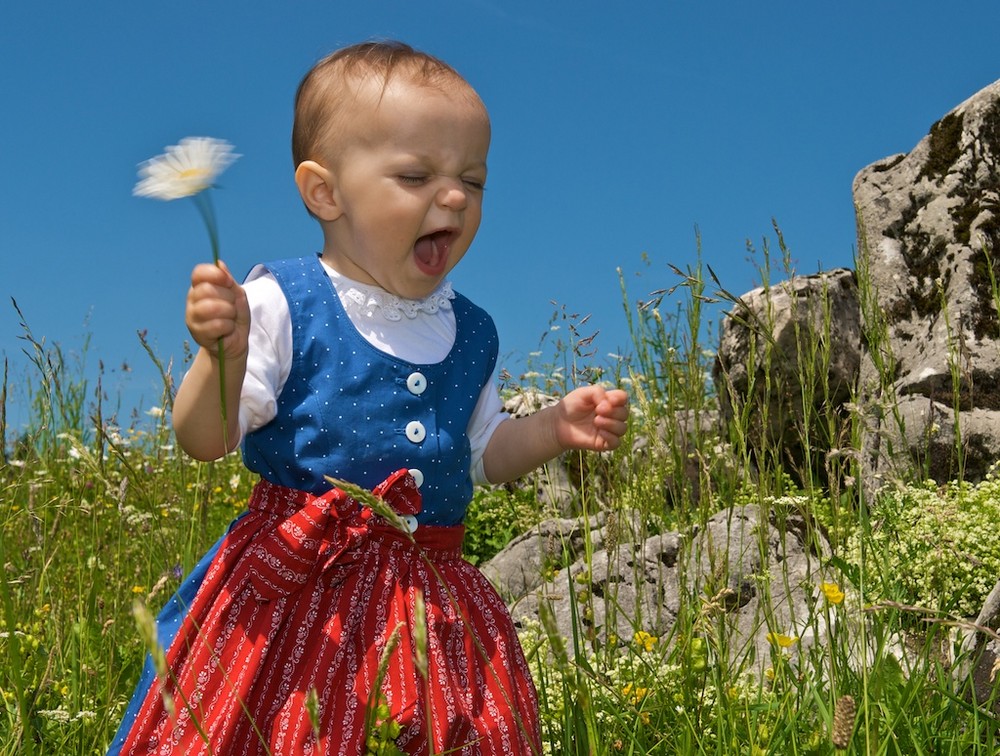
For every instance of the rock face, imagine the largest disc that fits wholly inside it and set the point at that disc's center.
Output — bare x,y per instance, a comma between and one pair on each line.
979,655
928,238
806,327
757,578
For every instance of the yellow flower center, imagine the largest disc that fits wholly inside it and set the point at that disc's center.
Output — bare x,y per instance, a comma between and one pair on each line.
189,174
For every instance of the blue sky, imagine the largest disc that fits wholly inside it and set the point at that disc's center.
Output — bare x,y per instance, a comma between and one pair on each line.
618,128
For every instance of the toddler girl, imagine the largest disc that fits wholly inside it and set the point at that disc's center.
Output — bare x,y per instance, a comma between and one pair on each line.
315,625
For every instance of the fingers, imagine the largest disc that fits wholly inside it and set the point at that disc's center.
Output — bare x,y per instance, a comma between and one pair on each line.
611,419
215,304
614,404
210,317
601,416
218,275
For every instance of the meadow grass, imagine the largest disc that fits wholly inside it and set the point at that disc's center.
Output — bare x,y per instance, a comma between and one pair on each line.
97,519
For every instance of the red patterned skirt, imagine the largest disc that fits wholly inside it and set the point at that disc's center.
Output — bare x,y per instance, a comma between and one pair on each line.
283,650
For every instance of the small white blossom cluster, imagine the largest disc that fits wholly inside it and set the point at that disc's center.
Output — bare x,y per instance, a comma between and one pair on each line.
937,545
61,716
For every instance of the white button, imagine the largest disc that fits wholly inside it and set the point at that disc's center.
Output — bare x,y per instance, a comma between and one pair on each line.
415,431
416,383
418,476
411,523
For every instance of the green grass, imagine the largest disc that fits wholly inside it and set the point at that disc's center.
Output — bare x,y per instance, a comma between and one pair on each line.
95,517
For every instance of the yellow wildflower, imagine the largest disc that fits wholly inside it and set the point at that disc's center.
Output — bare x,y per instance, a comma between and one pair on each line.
634,694
780,640
645,640
832,592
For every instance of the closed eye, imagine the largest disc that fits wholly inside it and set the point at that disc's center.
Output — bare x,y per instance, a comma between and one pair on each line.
475,184
412,179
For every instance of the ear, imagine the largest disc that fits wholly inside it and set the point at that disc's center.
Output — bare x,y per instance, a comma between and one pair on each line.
316,186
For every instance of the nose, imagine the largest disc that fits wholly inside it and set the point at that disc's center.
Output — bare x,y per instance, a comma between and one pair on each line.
453,195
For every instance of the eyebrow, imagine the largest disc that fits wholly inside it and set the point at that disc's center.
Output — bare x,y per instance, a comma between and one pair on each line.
429,157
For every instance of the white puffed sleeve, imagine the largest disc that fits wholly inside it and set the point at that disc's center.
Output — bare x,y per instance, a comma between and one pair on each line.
269,358
487,415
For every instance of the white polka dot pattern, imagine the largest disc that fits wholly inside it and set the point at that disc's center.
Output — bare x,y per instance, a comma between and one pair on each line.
353,412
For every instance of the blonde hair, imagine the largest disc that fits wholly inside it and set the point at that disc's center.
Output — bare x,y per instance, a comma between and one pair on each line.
324,95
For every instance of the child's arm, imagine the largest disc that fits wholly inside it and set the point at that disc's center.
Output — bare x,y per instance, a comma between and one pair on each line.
216,308
589,418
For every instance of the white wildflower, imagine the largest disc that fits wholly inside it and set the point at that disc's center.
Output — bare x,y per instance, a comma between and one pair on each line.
55,715
185,170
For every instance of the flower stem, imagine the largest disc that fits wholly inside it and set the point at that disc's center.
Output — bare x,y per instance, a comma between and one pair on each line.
203,201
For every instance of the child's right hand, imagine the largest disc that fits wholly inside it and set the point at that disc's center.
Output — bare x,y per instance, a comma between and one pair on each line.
217,309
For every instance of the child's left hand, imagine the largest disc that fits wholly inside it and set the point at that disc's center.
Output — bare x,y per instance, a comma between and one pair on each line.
592,418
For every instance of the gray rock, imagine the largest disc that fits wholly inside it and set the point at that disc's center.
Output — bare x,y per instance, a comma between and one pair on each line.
758,577
806,326
978,659
528,402
628,586
520,567
762,574
928,232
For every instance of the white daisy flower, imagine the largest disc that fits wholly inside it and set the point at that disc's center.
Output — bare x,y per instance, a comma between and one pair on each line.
185,170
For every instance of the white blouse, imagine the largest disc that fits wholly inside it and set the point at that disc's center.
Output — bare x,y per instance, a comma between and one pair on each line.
419,331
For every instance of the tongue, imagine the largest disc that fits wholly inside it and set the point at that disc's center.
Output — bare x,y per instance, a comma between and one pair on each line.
426,250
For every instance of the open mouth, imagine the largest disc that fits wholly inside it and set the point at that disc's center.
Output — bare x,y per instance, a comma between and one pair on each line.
431,251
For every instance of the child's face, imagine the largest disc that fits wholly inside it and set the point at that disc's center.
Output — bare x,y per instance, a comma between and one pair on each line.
408,189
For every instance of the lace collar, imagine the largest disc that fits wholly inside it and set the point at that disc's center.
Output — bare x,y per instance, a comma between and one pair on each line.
369,301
